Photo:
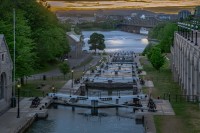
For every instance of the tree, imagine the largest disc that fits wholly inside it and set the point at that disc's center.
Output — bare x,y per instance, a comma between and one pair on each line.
164,32
97,42
25,56
64,68
156,58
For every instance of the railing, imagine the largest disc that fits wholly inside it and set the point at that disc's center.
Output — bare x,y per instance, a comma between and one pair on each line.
180,98
189,31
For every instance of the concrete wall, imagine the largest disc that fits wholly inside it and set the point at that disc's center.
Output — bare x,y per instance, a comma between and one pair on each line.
185,61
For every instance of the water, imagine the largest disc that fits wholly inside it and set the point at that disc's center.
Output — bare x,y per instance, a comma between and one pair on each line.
64,120
119,41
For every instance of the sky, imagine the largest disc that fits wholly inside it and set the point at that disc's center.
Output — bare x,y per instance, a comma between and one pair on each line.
119,4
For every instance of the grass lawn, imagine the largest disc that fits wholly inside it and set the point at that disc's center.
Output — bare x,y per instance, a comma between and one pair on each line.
33,88
40,87
187,116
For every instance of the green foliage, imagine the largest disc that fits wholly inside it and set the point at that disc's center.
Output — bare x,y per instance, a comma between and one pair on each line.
164,32
64,68
40,38
156,32
25,55
77,30
97,42
156,58
47,32
147,49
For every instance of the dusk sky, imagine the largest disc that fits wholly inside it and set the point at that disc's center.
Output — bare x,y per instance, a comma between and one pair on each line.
129,4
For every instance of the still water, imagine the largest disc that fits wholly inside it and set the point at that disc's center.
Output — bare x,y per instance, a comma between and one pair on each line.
64,120
119,41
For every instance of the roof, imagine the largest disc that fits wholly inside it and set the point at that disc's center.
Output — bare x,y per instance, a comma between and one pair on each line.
75,37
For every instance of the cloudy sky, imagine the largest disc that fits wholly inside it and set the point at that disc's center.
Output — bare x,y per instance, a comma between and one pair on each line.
67,5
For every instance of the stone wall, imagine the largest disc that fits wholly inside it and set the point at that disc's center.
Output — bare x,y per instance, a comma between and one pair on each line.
185,61
5,75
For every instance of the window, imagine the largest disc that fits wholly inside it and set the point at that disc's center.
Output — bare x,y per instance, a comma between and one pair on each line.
2,57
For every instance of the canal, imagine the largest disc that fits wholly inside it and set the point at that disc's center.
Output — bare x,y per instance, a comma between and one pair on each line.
63,120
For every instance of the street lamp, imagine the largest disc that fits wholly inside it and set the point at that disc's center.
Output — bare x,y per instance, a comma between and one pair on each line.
72,77
66,60
18,111
53,89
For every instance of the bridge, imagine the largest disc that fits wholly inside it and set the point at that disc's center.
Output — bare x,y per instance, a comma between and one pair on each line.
136,24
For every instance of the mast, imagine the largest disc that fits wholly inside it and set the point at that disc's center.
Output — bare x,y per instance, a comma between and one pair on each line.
14,52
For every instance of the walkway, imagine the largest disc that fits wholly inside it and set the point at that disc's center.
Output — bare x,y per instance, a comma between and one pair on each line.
72,62
9,123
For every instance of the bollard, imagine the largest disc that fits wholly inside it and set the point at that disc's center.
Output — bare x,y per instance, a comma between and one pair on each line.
94,107
44,77
196,38
192,37
73,108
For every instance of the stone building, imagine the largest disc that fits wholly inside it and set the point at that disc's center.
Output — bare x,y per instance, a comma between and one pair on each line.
6,75
75,42
185,60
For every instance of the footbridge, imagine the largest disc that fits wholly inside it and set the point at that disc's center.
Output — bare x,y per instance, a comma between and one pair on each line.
95,102
66,98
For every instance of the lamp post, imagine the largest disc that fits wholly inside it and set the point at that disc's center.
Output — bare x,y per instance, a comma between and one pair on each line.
18,90
53,89
72,77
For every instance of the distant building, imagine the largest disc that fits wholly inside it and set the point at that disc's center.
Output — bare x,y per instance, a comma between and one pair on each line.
183,14
197,11
75,42
5,75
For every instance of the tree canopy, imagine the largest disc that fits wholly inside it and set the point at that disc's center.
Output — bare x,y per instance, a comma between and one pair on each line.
164,32
40,38
156,58
64,68
97,42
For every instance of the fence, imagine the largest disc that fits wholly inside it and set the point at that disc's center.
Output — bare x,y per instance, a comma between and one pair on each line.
180,98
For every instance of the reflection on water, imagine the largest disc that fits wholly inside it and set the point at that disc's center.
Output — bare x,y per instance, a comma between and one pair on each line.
64,120
119,41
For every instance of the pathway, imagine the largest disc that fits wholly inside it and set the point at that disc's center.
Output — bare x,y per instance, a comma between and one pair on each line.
9,123
72,62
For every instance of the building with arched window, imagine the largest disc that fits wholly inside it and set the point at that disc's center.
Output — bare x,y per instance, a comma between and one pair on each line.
5,75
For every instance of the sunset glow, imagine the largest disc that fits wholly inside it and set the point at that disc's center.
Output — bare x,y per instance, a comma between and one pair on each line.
89,5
